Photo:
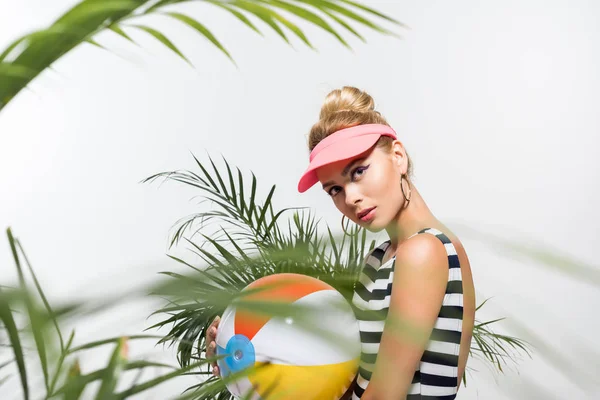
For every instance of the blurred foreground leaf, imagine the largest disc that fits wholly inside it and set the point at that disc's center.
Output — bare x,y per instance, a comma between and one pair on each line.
28,56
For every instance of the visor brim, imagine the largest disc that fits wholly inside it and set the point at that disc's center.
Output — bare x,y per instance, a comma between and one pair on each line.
342,150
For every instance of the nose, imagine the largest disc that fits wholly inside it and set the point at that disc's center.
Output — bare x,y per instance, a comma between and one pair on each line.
353,195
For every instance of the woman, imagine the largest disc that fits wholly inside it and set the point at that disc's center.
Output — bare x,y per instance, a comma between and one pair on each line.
420,279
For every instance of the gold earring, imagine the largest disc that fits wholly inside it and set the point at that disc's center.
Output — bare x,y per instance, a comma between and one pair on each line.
344,227
402,188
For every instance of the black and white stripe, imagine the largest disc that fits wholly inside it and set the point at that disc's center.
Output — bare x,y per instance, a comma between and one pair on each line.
437,375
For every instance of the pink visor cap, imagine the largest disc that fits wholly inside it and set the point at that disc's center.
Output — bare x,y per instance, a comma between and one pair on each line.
341,145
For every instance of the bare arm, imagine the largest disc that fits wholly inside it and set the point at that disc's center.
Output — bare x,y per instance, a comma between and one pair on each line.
420,278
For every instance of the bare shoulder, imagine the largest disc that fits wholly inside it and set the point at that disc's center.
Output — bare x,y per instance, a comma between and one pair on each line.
424,253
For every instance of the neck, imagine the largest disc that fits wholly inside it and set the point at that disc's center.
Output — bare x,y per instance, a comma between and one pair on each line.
410,219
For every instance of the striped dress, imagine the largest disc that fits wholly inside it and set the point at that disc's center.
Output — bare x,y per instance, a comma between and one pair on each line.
437,373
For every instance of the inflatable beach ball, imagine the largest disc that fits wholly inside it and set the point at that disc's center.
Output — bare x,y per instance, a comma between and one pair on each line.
292,362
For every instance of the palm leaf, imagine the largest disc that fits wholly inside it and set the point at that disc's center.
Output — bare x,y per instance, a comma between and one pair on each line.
264,14
37,325
236,14
80,24
103,342
258,247
203,30
9,324
119,31
344,24
45,47
40,291
110,374
60,362
157,381
163,39
372,11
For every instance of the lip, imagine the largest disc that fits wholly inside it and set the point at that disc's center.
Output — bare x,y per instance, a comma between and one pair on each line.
366,215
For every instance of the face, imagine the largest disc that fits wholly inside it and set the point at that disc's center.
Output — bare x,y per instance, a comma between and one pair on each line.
366,188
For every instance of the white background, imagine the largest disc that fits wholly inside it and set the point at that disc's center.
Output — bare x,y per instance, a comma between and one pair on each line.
496,102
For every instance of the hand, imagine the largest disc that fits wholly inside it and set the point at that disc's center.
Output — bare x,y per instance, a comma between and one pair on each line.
211,344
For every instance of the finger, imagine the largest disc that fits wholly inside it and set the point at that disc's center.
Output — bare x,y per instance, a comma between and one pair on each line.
215,371
210,351
211,334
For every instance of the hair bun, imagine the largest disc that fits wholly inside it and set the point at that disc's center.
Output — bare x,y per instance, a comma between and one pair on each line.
347,98
341,109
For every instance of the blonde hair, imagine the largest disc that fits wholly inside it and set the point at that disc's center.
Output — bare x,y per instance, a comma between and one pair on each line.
344,108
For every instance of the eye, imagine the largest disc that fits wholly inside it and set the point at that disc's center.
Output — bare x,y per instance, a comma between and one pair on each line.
334,190
359,171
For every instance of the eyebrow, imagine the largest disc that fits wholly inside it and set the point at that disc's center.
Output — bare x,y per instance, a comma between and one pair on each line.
345,171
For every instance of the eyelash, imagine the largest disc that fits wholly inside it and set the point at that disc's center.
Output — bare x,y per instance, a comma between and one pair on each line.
357,169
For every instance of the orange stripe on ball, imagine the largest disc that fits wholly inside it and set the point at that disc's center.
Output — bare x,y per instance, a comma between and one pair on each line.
285,288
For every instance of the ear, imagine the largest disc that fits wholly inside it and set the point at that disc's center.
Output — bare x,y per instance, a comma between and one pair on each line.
399,155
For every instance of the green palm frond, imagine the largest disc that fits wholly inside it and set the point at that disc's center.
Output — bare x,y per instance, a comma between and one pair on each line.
8,321
59,360
496,348
255,222
254,242
28,56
